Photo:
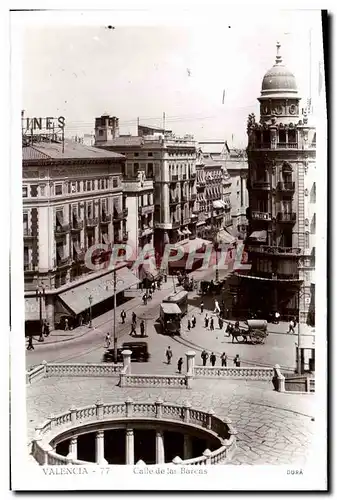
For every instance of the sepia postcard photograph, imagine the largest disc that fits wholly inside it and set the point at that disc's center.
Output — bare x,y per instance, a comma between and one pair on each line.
168,198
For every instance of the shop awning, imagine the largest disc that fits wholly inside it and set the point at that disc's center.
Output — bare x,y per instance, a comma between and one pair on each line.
223,237
100,289
180,233
259,236
187,231
194,245
32,309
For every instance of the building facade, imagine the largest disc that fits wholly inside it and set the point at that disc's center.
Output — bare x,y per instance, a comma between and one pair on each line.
281,213
72,201
160,168
213,196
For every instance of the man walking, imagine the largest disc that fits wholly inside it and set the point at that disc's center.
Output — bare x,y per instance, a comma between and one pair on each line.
216,307
194,321
201,307
133,329
145,299
211,325
206,321
220,322
123,316
212,359
291,327
142,328
66,327
169,355
180,364
237,361
204,357
223,359
134,317
30,343
107,340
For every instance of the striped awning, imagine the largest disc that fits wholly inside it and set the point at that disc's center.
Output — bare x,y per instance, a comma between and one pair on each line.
218,204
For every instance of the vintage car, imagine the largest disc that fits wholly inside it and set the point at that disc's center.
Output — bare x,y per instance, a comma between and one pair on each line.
139,352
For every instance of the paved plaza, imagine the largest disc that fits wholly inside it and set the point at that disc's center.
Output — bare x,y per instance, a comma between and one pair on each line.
273,428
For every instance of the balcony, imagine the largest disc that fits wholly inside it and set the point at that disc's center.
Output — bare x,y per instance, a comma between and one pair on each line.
185,221
147,209
261,215
28,266
174,200
278,251
65,261
92,222
286,217
288,187
28,233
287,145
261,185
61,229
105,219
175,225
145,231
263,145
174,178
184,177
118,216
201,183
76,226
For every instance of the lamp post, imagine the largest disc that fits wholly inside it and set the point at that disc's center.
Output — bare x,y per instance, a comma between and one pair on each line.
40,292
90,312
215,246
115,281
299,368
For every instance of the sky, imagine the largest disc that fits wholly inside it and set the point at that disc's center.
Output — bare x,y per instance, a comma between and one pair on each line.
205,75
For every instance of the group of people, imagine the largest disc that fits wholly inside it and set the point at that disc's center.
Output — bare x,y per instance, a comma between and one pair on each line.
156,285
45,332
204,356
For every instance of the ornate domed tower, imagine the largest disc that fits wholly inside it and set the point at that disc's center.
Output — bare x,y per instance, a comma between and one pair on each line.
281,150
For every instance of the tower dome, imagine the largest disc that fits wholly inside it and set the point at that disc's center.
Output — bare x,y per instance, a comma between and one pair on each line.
278,81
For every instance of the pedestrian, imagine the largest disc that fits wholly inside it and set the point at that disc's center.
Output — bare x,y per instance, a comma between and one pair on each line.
194,321
134,317
277,317
216,307
291,327
237,361
145,299
180,364
219,322
30,343
169,355
223,359
295,321
206,321
80,320
133,329
188,325
165,277
204,357
159,284
46,329
107,340
123,316
66,324
212,359
142,328
201,307
211,325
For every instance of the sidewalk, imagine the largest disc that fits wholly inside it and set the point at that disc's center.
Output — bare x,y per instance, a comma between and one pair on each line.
131,305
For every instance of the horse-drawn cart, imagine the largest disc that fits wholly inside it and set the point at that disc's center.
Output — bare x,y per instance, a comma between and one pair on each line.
254,330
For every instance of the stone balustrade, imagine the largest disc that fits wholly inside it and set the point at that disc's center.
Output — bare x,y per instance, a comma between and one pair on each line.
179,381
244,372
35,374
76,419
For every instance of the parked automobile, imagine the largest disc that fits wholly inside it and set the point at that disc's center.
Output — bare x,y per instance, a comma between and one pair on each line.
139,351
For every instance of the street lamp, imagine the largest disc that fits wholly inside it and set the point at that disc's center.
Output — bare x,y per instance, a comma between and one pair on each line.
90,314
40,292
114,317
214,233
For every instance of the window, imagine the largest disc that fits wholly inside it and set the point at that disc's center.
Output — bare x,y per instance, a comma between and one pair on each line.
135,169
150,153
88,185
58,189
42,190
24,191
78,186
89,211
25,223
306,240
59,217
33,190
106,183
100,132
115,182
25,256
136,155
73,187
150,170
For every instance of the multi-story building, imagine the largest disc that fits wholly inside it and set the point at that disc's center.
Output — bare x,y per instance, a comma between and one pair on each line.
281,214
160,169
236,164
213,196
72,200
